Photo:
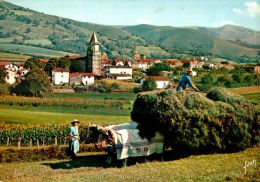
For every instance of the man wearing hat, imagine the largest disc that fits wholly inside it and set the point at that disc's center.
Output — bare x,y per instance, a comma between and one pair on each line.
185,80
73,138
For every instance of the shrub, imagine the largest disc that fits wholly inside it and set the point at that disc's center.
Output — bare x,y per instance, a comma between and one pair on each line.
4,88
149,85
191,122
207,79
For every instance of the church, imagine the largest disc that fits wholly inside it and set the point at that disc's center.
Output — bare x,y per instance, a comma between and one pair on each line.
91,63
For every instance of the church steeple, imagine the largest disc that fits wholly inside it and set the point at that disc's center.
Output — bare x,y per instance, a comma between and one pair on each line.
94,56
93,39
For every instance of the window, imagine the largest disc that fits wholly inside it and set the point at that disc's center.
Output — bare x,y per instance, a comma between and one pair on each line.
61,76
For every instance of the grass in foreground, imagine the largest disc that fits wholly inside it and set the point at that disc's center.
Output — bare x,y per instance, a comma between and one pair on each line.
20,116
90,167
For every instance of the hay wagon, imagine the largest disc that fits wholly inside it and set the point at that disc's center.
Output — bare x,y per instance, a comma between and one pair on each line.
123,141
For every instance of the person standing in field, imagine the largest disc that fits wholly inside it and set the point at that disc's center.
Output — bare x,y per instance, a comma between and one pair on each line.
186,80
73,138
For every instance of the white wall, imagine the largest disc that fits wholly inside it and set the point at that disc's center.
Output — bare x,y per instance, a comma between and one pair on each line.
162,84
88,80
11,77
60,78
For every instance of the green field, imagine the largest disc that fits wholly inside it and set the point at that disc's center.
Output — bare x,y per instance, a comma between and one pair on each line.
91,167
32,51
253,97
13,57
39,116
24,111
115,96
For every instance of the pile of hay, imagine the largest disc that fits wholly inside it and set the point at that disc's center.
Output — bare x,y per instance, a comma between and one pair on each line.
218,121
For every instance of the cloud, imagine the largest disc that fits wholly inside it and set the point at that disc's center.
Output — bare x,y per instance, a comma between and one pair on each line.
251,9
223,22
143,21
159,10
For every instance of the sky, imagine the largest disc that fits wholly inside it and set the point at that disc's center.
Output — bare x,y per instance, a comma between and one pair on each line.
176,13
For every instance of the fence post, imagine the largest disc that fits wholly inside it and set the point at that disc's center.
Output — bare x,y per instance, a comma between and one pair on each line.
30,142
19,142
43,142
64,141
38,145
7,142
55,141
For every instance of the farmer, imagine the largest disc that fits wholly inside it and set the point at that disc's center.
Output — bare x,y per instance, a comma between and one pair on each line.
185,80
73,138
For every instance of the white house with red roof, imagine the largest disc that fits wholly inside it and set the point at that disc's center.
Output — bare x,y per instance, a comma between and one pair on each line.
82,78
161,81
118,72
60,76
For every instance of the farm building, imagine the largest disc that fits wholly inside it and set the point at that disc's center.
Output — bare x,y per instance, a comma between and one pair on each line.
118,72
60,76
161,81
174,63
82,78
14,72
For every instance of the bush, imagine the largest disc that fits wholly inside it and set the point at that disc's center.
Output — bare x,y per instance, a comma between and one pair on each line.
4,88
137,89
192,122
149,85
207,79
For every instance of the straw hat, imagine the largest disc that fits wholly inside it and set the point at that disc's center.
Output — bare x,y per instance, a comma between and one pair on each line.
189,70
75,121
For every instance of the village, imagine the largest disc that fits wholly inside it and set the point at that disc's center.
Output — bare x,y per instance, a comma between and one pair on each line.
98,66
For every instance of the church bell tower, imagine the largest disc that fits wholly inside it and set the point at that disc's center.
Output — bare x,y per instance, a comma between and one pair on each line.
94,56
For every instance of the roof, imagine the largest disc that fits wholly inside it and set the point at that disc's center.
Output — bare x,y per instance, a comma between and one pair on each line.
81,74
59,70
150,60
113,66
4,63
93,39
158,78
117,75
76,57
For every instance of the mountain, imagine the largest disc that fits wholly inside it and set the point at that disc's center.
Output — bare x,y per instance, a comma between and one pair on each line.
235,33
193,41
21,29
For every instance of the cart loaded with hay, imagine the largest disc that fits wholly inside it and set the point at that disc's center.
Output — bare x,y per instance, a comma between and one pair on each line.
217,121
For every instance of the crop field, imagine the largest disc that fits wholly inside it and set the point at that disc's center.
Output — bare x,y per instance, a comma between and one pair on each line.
98,108
91,167
30,50
13,57
39,41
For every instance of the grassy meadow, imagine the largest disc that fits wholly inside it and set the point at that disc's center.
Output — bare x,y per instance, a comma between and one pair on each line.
92,167
100,108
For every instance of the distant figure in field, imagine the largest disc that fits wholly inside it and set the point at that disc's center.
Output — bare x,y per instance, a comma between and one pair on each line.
73,138
185,80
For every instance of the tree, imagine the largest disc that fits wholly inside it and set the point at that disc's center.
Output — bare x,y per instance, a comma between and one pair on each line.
149,85
35,82
157,68
237,78
28,30
207,79
36,23
222,79
63,63
33,63
3,74
50,65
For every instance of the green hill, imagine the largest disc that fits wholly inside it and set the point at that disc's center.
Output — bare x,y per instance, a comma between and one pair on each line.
194,42
36,34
